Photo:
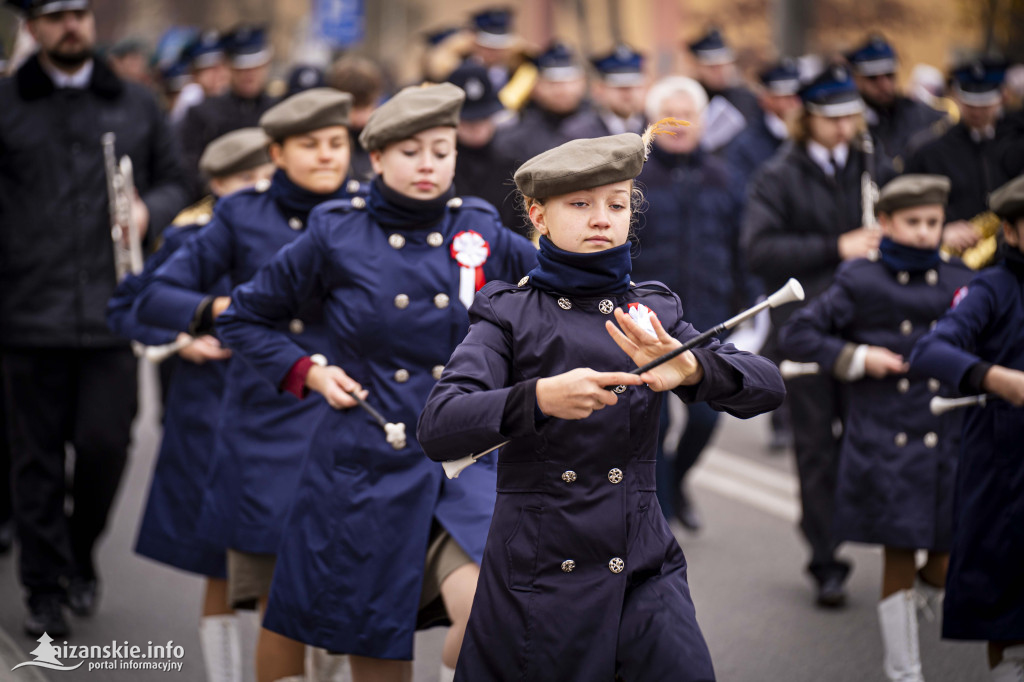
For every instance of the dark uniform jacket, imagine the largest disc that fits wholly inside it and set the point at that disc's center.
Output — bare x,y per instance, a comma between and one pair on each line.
211,118
689,235
795,214
984,595
894,127
581,578
56,255
898,460
536,131
974,168
752,148
591,123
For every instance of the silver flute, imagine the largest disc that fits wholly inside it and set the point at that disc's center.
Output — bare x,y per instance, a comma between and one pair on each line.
124,232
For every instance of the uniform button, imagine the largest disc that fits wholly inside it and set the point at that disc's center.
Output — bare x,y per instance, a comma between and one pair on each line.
402,301
437,371
295,223
318,359
402,376
569,476
352,186
931,325
620,389
931,439
906,327
358,203
903,385
523,281
435,239
568,566
441,301
900,439
564,303
934,385
615,475
455,202
606,307
296,326
203,219
903,277
616,565
262,185
396,241
932,277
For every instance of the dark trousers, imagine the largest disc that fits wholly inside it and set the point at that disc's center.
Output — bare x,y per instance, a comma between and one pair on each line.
700,426
816,403
86,398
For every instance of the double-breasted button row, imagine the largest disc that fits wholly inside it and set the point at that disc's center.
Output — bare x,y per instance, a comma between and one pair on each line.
614,476
441,301
931,277
615,565
903,385
931,439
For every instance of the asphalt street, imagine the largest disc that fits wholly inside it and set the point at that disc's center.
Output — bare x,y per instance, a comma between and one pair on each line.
753,601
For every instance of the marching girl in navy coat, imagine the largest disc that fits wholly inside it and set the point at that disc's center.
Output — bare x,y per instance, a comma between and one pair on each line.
979,348
262,435
168,532
376,535
582,579
898,461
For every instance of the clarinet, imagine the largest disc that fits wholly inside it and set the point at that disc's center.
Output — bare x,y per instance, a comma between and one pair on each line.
124,233
868,188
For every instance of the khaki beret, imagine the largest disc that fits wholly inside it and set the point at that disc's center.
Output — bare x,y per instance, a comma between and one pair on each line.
1007,202
307,111
413,109
908,191
235,152
582,164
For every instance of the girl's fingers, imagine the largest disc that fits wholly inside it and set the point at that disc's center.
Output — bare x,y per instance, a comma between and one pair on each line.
623,342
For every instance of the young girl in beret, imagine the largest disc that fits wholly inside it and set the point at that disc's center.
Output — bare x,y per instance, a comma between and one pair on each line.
582,579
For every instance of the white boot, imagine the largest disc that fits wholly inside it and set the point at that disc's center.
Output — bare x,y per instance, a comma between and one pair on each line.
322,666
1011,668
249,631
447,674
897,615
222,648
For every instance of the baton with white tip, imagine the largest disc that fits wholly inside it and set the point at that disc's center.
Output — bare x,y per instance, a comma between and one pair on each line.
940,405
791,291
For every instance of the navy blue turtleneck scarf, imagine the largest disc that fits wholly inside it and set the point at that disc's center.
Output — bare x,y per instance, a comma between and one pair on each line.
394,210
582,274
297,200
901,257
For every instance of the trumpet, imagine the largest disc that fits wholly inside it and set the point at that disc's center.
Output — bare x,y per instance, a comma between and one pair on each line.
986,226
124,232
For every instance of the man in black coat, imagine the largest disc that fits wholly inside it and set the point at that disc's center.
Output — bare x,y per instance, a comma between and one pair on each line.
731,105
69,380
240,107
892,118
618,90
804,216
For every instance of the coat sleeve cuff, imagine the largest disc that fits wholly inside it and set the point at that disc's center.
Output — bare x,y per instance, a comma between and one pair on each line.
974,378
851,363
521,415
202,320
721,380
295,381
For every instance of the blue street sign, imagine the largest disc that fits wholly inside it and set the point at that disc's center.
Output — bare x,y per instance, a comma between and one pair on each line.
339,22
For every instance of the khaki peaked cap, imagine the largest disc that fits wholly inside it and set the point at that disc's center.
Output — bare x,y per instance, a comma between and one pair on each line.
412,110
1007,202
582,164
237,151
307,111
915,189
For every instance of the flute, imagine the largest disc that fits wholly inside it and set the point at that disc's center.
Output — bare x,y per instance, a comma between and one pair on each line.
791,291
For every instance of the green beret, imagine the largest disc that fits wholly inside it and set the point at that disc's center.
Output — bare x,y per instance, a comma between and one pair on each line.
413,109
238,151
1007,202
908,191
582,164
307,111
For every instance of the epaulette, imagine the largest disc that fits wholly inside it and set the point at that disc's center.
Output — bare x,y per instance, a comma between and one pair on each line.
497,286
198,213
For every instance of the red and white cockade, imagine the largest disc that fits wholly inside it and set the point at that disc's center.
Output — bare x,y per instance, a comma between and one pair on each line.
470,250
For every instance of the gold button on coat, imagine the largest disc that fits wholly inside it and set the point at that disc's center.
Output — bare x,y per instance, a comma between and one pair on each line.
296,326
402,301
906,327
396,241
900,439
352,186
569,476
359,203
620,389
568,566
455,202
442,301
616,565
524,280
564,303
295,223
931,439
606,307
437,371
903,385
934,385
903,277
932,277
435,239
615,475
402,376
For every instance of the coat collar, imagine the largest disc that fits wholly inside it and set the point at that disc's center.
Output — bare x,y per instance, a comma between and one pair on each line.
34,83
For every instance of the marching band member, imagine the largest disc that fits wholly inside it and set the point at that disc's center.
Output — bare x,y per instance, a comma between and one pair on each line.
376,537
804,217
168,532
977,347
261,435
582,578
898,461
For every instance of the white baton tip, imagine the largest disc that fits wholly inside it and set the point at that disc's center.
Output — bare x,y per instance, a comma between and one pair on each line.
395,434
790,291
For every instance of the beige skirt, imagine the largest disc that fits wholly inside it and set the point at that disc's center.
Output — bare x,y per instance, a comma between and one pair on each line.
249,577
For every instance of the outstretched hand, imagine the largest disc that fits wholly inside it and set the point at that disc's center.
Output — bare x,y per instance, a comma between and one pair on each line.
643,347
